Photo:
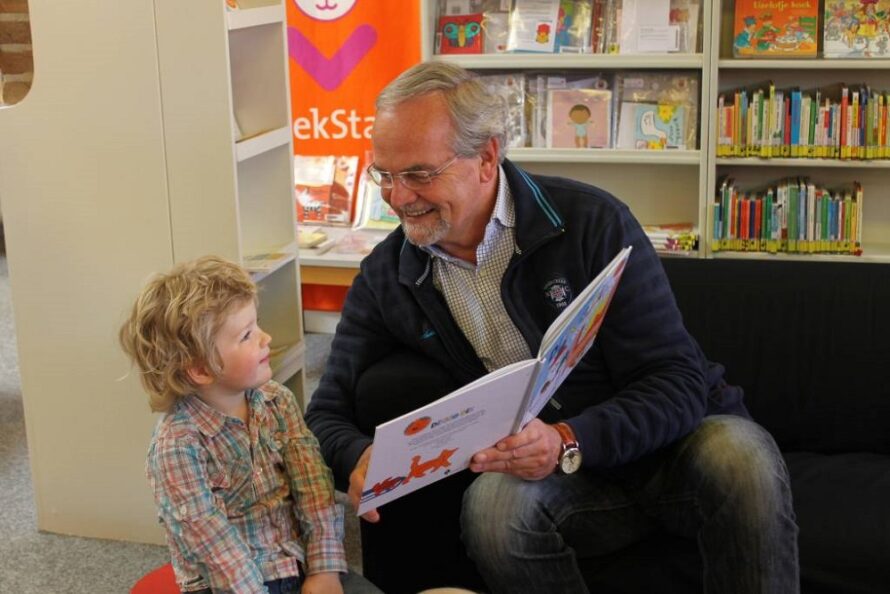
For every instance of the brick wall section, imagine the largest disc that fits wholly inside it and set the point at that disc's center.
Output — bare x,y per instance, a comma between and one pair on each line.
16,58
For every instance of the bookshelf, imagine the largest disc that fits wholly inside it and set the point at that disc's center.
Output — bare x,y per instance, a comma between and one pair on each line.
678,178
727,73
674,186
226,115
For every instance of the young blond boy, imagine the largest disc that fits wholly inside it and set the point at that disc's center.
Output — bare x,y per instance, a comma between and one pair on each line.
241,489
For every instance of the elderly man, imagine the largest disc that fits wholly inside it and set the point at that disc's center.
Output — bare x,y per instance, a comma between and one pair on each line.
467,282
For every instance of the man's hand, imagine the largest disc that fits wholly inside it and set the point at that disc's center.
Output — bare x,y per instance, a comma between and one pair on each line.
531,454
357,483
322,583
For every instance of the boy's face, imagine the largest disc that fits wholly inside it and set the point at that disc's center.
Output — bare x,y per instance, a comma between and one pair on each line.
244,350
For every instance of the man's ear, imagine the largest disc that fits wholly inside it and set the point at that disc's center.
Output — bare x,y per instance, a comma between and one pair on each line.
200,375
488,170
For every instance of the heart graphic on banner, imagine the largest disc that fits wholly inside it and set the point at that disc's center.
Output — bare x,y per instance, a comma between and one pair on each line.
331,72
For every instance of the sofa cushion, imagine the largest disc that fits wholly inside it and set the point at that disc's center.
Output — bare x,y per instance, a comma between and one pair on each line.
806,340
841,503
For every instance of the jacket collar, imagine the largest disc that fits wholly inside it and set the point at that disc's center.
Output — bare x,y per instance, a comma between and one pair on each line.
536,220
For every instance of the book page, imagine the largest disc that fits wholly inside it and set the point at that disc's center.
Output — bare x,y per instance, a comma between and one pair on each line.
571,335
439,439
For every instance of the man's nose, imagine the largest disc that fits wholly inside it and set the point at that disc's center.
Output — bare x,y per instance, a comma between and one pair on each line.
399,194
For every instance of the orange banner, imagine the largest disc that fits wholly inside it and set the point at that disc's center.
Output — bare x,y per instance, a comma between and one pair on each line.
342,53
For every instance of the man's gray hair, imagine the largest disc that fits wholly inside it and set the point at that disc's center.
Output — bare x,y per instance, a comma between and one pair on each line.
476,114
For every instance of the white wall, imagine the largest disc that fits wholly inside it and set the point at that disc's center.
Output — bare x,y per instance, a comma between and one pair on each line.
86,215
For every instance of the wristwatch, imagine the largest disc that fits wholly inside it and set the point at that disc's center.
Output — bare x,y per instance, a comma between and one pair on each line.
569,460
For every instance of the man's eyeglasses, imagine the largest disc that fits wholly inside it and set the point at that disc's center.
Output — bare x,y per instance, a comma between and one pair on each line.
413,180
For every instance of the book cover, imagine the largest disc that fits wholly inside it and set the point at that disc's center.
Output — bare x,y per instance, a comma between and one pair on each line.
644,27
371,211
439,439
857,29
651,126
775,29
573,26
533,25
324,188
579,118
460,34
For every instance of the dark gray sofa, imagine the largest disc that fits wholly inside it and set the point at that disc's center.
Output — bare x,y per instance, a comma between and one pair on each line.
810,344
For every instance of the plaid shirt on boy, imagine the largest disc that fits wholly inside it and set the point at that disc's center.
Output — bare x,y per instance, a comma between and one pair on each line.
241,505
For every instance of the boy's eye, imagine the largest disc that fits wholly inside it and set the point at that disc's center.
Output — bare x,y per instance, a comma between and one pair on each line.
246,336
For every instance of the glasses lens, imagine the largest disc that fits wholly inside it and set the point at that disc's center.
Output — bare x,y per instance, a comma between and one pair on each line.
416,179
381,178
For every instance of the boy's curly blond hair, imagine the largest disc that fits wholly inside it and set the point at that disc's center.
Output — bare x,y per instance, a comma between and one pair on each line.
175,321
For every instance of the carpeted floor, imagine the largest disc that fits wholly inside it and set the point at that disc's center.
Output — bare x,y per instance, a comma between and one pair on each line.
35,563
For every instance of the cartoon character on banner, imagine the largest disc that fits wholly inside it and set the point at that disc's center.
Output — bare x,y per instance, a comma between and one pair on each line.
330,72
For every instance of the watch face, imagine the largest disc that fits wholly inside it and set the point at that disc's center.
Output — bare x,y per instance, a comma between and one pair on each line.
570,461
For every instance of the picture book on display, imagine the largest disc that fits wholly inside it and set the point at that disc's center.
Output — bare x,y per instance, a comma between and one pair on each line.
533,25
573,27
439,439
371,211
857,29
775,28
324,187
461,34
651,126
579,118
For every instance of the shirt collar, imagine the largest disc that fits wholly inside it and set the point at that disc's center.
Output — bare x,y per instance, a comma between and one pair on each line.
210,421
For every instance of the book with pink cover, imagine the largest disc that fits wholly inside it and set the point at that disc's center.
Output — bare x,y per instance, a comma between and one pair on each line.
579,118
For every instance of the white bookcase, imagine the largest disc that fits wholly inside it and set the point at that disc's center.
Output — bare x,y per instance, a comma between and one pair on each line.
679,186
226,111
659,186
728,73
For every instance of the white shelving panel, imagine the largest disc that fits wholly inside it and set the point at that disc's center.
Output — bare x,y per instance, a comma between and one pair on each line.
223,77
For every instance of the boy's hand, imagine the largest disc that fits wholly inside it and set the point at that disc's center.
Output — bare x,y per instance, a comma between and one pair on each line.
357,483
322,583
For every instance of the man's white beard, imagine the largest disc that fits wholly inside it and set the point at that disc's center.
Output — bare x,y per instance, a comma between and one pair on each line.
425,235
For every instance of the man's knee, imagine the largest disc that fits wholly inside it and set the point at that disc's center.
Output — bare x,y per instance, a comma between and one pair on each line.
737,458
497,506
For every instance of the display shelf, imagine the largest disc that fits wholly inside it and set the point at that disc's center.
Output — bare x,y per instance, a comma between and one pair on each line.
573,61
803,163
266,141
813,64
253,17
290,255
667,157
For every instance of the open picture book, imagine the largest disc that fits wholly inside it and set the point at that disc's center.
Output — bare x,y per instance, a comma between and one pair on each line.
439,439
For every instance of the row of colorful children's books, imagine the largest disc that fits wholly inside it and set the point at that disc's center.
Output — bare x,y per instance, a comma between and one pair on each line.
835,123
568,26
795,215
630,110
790,29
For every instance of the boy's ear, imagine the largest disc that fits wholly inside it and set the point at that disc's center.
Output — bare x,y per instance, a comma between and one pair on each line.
200,375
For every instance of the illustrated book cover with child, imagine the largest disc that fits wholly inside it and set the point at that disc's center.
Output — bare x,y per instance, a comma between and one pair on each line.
439,439
579,118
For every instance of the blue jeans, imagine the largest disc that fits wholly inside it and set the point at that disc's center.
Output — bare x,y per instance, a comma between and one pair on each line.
724,485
